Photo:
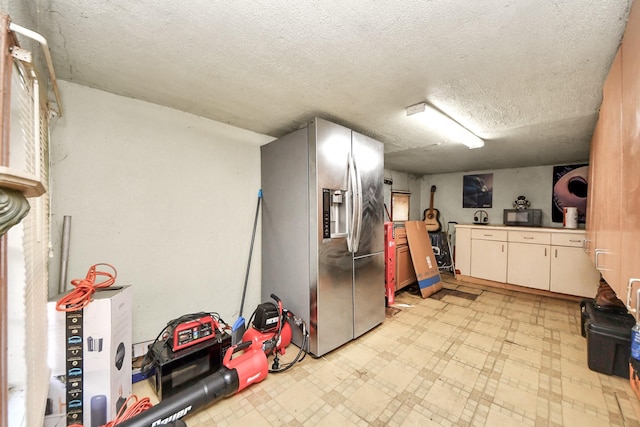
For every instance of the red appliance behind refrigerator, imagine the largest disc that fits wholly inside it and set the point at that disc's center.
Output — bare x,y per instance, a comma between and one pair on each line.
390,262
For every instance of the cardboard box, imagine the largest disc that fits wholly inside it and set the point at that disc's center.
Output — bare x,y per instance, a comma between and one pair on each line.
92,347
424,261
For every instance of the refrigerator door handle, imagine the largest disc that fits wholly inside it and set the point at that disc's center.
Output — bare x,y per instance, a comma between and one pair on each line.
358,211
351,203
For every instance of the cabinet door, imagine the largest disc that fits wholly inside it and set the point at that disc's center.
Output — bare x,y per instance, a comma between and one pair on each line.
528,265
630,189
606,185
463,251
405,273
589,244
572,272
489,260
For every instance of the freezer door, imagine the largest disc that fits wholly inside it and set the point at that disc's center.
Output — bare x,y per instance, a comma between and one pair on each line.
368,155
369,293
331,323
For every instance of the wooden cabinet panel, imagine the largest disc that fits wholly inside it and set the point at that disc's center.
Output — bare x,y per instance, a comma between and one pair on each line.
528,265
592,212
607,178
405,273
400,236
489,260
630,188
613,220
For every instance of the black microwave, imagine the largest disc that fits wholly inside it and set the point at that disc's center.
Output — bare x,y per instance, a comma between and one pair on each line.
523,217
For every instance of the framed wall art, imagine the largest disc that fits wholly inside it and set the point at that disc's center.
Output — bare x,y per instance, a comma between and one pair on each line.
570,189
477,190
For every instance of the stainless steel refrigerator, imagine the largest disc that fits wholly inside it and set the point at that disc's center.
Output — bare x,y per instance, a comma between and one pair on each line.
322,231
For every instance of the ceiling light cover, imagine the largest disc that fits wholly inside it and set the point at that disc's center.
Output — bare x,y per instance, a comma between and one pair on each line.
445,125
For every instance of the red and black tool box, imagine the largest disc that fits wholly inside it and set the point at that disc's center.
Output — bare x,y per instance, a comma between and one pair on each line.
608,339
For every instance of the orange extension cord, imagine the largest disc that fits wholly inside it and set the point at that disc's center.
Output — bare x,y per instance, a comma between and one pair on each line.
84,288
126,412
137,407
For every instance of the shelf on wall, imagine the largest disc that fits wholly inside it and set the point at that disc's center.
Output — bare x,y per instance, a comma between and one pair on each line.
26,183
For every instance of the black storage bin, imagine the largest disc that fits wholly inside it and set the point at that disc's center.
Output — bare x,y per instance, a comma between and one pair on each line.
608,339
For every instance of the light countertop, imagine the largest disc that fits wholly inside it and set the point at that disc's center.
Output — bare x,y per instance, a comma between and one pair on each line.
531,229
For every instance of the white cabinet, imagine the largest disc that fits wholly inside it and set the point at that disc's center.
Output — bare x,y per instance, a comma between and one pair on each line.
528,259
549,259
528,265
572,271
463,251
489,254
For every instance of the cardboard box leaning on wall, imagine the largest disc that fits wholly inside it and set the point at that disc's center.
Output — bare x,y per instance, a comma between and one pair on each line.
424,260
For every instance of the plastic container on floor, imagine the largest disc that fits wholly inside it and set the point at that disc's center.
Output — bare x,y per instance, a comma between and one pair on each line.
608,339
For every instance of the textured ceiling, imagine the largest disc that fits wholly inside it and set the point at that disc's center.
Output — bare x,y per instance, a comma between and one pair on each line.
525,75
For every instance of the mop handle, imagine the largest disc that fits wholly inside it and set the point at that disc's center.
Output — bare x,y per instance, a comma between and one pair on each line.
253,237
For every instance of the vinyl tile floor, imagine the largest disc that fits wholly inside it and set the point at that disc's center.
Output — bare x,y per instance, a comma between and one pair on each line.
471,356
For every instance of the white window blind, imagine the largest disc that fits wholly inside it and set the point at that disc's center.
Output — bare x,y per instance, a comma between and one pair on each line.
28,251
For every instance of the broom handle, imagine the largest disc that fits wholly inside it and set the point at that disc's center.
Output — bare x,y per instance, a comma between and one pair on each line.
253,237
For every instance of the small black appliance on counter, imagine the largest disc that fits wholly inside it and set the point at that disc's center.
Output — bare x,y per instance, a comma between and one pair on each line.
523,217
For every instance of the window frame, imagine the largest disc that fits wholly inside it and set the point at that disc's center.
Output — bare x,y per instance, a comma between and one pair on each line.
400,205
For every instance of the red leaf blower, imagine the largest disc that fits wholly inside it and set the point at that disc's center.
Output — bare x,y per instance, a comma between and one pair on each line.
270,333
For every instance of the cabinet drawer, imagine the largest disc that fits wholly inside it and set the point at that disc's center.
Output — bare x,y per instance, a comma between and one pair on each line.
477,233
400,235
567,239
537,238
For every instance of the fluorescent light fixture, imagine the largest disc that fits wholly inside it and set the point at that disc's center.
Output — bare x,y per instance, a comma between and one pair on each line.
445,125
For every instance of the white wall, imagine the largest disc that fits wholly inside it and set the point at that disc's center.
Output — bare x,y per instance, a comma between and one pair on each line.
166,197
535,183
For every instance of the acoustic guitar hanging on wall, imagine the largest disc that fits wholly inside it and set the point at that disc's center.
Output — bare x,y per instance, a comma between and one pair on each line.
431,216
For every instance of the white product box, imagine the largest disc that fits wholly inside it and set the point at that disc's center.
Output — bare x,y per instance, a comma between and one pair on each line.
92,347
